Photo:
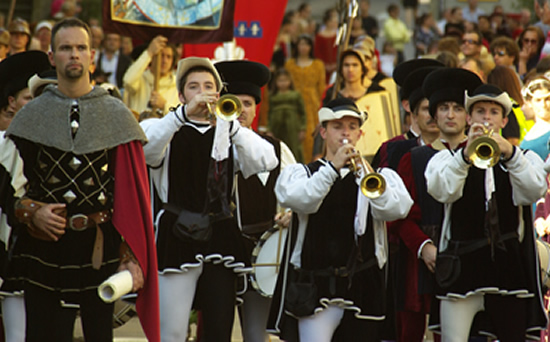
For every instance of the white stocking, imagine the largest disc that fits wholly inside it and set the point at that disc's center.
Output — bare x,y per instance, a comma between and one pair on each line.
457,317
13,314
321,326
176,294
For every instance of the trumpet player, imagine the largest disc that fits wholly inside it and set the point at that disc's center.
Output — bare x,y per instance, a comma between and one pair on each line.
192,167
333,282
486,260
255,199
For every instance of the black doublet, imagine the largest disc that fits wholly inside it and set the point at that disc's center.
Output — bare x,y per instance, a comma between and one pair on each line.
188,167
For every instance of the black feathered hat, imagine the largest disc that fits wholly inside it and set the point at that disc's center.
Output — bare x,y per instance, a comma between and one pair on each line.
243,77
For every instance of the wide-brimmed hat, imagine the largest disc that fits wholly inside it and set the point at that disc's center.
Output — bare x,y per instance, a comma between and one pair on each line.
489,93
19,25
41,79
339,108
189,63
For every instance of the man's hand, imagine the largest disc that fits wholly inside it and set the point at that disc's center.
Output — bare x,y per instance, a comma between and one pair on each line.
197,108
157,100
429,255
48,223
343,155
137,274
506,147
156,45
283,219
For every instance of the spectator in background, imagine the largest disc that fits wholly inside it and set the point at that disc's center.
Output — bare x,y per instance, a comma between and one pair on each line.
474,65
525,17
111,62
537,96
287,115
325,48
472,12
518,125
308,75
505,52
448,59
42,36
445,18
20,36
388,59
4,43
530,43
542,12
369,23
396,32
357,30
97,40
126,46
139,80
425,34
307,25
472,47
411,10
484,26
286,39
451,45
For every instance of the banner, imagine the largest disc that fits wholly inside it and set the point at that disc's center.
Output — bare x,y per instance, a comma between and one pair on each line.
190,21
256,27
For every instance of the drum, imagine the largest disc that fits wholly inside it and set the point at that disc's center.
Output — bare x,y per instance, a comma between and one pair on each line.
123,312
544,257
266,260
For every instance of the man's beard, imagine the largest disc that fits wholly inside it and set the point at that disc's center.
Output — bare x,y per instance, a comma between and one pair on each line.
74,73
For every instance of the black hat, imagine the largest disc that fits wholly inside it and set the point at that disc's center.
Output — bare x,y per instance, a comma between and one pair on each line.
404,69
449,84
491,93
243,77
17,69
413,83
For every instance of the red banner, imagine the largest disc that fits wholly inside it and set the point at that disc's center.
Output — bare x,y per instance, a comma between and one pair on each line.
256,27
202,21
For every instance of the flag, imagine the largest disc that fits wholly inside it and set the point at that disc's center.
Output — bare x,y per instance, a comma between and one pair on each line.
191,21
255,29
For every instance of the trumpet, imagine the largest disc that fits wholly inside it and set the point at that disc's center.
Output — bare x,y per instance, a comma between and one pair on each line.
484,151
228,108
373,184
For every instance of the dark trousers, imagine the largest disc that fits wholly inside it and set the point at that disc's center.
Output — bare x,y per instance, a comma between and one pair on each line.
216,300
48,320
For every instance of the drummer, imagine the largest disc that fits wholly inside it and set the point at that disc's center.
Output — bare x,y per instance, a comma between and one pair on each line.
257,209
333,281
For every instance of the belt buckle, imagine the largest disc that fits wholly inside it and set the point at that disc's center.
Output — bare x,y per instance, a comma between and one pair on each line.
78,222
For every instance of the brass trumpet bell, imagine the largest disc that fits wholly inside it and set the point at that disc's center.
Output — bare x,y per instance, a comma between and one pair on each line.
228,107
483,152
373,185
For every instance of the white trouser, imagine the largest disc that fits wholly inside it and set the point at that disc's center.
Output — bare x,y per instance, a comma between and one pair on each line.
321,326
457,317
13,315
176,294
254,314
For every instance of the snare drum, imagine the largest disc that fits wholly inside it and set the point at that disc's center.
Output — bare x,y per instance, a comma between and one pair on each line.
544,257
266,260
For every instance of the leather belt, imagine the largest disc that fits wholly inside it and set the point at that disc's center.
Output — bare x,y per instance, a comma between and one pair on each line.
80,222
